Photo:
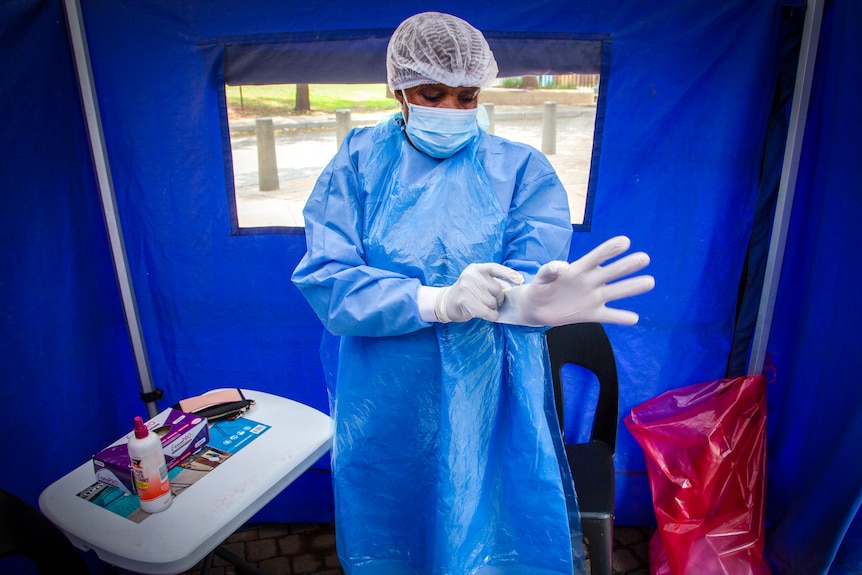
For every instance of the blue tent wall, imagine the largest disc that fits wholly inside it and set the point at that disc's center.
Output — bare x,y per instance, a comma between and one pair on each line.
815,403
685,121
689,98
67,372
686,117
681,155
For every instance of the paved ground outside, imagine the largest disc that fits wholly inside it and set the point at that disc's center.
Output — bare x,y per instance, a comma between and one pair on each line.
305,144
309,549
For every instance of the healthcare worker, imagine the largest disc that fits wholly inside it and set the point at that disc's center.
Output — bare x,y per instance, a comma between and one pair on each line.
436,251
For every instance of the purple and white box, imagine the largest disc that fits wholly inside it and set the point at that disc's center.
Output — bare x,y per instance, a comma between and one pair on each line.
182,434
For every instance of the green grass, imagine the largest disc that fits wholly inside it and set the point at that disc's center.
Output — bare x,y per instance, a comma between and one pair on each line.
279,100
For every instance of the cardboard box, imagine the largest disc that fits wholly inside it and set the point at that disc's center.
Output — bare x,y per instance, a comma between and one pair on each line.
182,434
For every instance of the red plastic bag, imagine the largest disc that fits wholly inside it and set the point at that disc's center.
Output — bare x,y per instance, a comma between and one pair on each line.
705,451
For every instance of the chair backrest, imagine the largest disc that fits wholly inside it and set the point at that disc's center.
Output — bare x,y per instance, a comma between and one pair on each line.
587,345
24,531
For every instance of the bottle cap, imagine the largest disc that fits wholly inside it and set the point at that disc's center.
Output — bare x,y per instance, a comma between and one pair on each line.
141,430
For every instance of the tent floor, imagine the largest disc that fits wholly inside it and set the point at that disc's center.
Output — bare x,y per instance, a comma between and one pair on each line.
309,548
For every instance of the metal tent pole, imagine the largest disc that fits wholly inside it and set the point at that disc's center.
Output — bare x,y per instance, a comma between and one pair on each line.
787,184
81,52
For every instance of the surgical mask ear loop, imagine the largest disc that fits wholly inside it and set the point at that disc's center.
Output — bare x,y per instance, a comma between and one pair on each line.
406,103
482,117
405,112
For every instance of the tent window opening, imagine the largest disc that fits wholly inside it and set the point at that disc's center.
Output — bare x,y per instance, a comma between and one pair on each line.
282,134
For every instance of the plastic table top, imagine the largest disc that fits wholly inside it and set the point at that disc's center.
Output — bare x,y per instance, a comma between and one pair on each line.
210,510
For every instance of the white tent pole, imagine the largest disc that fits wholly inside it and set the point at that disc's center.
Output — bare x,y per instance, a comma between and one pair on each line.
787,184
78,38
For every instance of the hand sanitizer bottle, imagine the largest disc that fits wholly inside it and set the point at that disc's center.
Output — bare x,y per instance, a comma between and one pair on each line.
149,470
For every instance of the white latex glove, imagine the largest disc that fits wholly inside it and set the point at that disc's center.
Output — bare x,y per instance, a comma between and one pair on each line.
564,293
477,293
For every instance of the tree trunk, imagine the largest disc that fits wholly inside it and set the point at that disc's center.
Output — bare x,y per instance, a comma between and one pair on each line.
303,104
530,82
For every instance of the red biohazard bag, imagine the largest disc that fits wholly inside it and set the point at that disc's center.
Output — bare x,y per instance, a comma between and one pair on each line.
705,451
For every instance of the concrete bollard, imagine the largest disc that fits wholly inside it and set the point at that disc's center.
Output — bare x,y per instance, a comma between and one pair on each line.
489,108
549,129
342,126
267,166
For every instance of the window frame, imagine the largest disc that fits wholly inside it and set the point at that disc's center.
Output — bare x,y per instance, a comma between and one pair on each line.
358,56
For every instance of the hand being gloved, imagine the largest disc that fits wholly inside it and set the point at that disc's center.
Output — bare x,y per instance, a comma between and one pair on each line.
477,293
564,293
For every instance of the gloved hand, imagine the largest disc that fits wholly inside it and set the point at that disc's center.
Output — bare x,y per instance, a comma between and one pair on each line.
477,293
564,293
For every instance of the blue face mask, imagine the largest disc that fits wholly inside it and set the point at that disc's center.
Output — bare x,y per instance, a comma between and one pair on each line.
440,132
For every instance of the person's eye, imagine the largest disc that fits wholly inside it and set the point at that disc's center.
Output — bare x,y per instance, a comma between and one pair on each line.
468,97
432,96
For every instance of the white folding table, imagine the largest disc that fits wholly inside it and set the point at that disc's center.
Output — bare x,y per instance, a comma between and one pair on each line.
207,512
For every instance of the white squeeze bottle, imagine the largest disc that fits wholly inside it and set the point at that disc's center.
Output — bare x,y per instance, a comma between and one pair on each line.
149,470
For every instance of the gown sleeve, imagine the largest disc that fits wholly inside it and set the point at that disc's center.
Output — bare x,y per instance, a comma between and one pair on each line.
350,297
538,224
353,298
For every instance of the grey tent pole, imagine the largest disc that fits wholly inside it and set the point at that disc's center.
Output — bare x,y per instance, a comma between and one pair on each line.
787,184
78,39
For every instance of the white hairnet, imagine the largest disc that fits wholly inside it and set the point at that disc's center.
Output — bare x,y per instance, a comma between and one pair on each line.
437,48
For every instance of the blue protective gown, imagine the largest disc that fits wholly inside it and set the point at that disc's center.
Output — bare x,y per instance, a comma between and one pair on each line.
446,457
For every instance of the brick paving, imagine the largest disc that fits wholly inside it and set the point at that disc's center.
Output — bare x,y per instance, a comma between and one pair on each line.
309,549
631,550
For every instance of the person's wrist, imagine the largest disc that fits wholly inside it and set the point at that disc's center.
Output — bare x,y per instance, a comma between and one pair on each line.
440,306
426,300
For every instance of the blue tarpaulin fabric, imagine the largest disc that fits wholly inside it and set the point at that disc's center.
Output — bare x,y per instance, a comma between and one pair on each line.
680,158
814,491
751,285
67,369
690,92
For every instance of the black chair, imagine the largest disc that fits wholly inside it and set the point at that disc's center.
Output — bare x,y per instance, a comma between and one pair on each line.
24,531
592,463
